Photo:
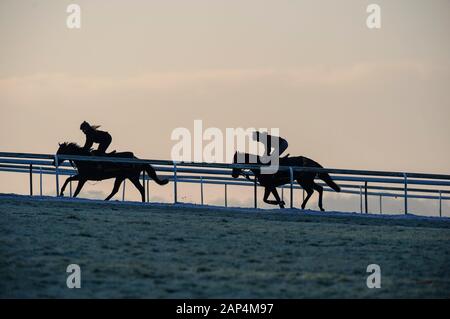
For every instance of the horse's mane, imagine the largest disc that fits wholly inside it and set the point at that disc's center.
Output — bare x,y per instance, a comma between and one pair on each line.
71,145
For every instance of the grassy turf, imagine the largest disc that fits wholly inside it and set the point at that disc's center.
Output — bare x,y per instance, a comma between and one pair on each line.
176,252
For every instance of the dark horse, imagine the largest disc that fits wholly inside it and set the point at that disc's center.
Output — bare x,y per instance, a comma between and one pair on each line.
282,177
97,171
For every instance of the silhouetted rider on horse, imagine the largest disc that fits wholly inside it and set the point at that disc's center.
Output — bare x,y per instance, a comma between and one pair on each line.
94,135
270,182
102,170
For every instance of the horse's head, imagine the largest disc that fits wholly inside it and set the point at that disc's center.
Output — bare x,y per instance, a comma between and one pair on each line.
67,149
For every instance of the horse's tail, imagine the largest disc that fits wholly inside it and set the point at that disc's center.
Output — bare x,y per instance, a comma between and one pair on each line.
327,179
151,172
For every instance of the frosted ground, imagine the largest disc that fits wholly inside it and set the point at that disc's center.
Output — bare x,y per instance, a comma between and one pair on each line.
165,251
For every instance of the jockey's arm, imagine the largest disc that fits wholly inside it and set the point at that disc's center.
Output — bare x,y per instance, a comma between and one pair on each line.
265,139
89,143
278,148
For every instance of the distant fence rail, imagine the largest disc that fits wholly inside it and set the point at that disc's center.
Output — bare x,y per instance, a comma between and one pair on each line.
364,183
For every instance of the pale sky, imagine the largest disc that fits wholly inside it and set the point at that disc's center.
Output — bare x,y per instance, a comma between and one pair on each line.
340,93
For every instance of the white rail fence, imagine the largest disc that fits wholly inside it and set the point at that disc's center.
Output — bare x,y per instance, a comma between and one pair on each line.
360,182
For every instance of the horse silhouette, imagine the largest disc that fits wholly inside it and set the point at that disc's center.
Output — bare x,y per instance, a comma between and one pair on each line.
97,171
282,177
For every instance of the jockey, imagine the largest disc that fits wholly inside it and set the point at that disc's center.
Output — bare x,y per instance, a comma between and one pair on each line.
93,135
279,144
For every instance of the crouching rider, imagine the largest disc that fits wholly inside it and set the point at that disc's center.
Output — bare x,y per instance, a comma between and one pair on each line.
94,135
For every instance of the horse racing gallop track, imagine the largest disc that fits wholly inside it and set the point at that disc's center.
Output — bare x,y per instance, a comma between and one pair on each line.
435,188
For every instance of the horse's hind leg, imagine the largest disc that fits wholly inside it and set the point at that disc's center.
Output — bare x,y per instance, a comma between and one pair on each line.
309,192
308,187
320,190
115,188
136,182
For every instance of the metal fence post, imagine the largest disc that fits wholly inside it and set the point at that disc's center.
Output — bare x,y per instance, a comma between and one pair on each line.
226,199
201,190
255,194
406,193
143,183
175,191
381,204
365,197
31,179
123,190
360,199
440,203
148,190
57,175
40,180
282,193
70,188
291,173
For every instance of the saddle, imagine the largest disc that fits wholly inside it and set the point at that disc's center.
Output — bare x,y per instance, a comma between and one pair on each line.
96,153
114,154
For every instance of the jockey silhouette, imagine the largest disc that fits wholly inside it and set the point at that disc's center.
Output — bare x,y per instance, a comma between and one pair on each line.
93,135
278,144
267,140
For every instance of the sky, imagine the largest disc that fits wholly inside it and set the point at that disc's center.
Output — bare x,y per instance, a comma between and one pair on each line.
339,92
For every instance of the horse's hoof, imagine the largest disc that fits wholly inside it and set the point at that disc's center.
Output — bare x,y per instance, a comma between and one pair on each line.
322,210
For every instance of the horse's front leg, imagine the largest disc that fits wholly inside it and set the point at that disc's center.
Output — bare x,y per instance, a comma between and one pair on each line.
277,197
71,178
116,188
266,199
80,185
